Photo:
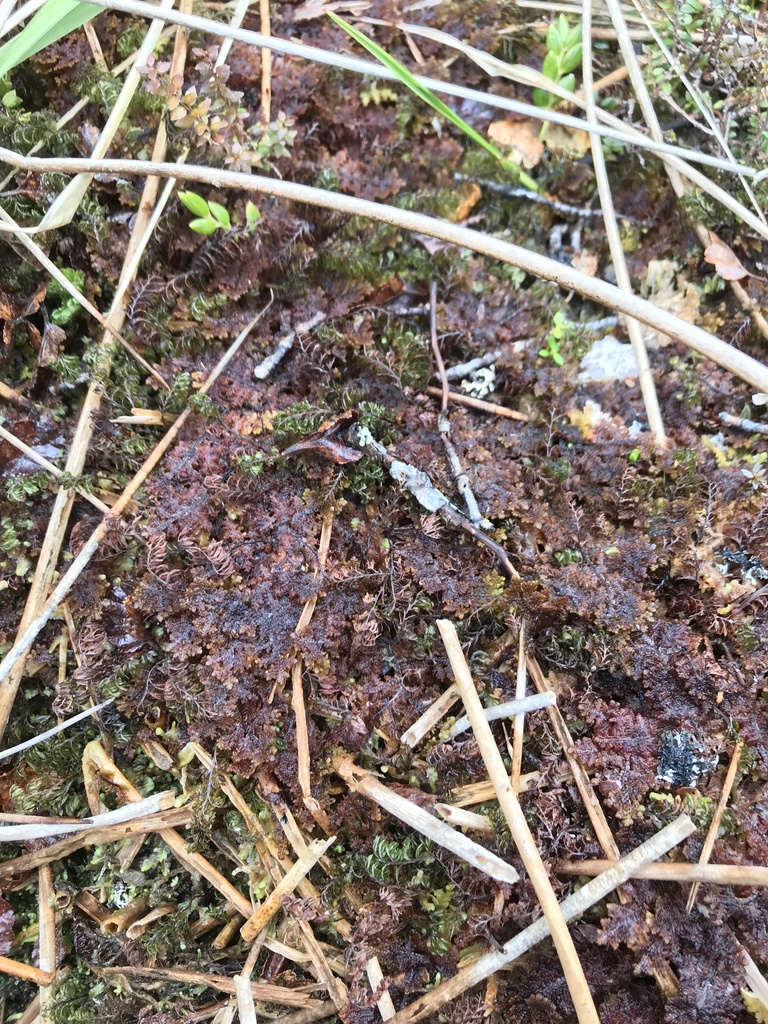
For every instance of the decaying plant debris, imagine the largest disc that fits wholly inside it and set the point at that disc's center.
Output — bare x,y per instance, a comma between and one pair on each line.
267,521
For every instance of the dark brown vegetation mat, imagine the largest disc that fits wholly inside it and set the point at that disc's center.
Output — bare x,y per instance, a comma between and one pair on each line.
639,570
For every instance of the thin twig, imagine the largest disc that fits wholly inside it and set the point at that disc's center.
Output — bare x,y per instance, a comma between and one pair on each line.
478,403
415,733
518,826
634,330
299,706
266,64
264,914
262,991
517,708
122,919
137,929
284,345
519,725
436,346
25,971
753,875
751,426
717,817
567,277
361,781
375,978
444,423
461,370
459,818
572,906
47,952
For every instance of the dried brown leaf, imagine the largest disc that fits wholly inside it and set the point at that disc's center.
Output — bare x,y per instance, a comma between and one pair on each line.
522,140
724,259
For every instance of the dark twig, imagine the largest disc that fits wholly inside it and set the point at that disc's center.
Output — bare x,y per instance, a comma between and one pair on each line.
444,424
435,345
737,421
428,496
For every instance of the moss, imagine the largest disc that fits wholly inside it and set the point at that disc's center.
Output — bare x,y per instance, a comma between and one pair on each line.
203,405
296,421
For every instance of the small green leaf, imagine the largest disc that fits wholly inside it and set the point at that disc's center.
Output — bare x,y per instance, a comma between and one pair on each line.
551,66
204,225
557,359
553,39
252,213
221,214
542,98
11,100
571,59
195,204
634,455
568,83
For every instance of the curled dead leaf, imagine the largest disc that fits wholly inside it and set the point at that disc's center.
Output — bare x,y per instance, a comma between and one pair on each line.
570,142
522,140
468,199
585,262
325,441
725,261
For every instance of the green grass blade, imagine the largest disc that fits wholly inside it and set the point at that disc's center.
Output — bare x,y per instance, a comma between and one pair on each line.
54,20
421,91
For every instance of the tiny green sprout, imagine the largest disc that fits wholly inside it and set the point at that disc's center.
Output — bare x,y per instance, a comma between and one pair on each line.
634,455
552,351
563,57
252,214
11,99
210,216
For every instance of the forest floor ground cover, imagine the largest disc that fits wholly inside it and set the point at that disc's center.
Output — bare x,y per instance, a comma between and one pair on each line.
260,610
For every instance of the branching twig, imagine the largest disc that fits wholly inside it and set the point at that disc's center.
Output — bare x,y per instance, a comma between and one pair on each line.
567,277
717,817
428,496
444,424
572,906
518,826
423,822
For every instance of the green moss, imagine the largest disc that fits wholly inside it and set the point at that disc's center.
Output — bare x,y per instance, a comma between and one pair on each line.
53,784
202,305
203,405
444,916
80,998
19,488
406,860
296,421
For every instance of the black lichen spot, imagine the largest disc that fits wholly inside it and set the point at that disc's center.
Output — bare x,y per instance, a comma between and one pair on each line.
682,760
